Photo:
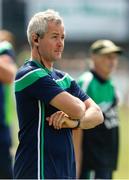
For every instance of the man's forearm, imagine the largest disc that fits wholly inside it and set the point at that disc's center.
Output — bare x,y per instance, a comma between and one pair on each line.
69,123
93,117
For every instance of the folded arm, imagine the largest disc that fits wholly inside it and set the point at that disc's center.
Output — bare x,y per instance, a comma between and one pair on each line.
70,105
92,117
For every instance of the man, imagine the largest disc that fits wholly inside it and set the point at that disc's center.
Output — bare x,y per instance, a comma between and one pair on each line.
7,73
100,145
49,105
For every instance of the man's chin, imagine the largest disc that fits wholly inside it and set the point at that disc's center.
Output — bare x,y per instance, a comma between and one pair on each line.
58,58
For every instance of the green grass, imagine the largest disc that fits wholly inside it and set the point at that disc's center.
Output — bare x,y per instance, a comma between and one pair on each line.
123,163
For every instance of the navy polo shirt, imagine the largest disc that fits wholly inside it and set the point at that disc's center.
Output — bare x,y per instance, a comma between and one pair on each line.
43,152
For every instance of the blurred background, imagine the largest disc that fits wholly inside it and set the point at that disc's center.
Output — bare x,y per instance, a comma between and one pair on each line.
85,21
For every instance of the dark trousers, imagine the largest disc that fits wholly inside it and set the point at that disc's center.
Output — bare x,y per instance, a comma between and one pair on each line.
102,173
5,163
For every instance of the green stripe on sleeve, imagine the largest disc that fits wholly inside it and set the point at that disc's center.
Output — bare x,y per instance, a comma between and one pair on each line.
65,82
4,45
29,79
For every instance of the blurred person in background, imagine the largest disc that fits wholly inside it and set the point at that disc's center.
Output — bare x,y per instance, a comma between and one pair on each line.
7,73
100,145
48,100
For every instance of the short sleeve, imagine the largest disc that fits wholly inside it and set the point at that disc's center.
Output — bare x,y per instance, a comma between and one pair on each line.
7,48
78,92
44,89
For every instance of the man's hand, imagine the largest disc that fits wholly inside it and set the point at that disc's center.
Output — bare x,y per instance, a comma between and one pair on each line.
61,120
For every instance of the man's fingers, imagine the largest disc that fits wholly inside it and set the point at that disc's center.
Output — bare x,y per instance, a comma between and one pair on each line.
62,120
56,119
51,119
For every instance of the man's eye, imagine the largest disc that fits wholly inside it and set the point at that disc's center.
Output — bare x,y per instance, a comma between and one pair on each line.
62,37
55,37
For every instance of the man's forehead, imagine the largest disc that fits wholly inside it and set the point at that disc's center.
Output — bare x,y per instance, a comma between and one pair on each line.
55,28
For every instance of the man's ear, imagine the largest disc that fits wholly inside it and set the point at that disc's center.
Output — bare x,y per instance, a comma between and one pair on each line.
35,39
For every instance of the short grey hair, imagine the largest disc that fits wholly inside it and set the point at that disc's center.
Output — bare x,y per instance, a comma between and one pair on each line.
39,22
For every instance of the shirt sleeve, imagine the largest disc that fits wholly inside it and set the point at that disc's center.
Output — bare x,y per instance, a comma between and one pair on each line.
7,48
44,89
78,92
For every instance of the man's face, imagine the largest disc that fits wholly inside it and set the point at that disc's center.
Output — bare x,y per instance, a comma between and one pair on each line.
52,44
105,63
